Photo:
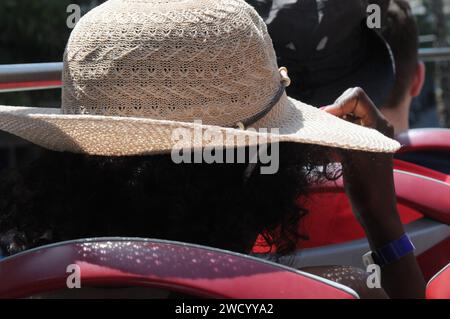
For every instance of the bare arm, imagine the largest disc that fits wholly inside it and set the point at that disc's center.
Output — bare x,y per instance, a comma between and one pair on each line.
369,183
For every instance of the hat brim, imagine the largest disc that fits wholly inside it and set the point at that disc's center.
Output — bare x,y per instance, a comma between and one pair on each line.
376,75
126,136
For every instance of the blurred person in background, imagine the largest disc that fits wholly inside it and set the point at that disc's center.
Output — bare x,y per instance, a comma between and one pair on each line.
402,35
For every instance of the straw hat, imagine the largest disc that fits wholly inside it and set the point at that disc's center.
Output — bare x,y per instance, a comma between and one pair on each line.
135,71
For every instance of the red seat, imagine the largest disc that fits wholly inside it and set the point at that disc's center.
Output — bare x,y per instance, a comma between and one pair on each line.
175,267
425,139
421,192
331,220
439,286
426,147
433,199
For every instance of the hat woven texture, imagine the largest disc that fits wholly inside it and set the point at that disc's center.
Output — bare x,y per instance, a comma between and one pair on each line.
137,70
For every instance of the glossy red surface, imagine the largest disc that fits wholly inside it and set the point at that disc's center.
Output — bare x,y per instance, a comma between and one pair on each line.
29,85
439,286
193,270
434,259
425,140
420,170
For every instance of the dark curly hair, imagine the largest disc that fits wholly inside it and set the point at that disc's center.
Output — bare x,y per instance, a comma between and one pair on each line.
63,196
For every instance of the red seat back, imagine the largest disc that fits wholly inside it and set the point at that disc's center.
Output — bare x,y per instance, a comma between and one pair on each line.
439,286
188,269
331,221
433,199
427,139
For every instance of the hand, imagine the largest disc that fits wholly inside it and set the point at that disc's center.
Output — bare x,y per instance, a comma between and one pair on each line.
368,177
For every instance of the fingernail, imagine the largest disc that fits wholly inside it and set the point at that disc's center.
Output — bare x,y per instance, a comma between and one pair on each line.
322,107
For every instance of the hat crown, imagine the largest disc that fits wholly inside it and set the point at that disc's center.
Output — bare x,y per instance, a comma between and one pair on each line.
177,60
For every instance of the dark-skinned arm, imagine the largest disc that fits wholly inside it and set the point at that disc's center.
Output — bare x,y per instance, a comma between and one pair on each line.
369,183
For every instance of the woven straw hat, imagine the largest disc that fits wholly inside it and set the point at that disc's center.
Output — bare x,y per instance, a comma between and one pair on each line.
137,70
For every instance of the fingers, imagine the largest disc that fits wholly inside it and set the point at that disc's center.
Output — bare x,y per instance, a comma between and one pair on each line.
355,106
355,102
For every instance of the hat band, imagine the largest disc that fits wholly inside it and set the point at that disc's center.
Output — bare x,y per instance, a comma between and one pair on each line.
285,82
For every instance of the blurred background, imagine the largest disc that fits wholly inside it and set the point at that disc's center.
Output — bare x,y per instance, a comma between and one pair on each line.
34,31
432,107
